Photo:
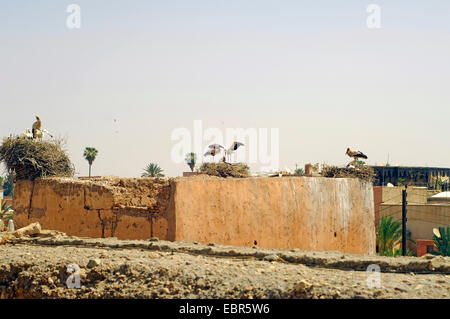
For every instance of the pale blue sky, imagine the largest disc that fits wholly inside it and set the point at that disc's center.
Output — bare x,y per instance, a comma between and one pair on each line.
310,68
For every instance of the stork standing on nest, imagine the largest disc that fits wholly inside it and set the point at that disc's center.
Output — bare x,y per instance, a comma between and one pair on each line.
355,155
233,148
36,127
27,135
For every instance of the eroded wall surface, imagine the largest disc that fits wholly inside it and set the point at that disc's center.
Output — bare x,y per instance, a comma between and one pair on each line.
290,212
105,207
310,213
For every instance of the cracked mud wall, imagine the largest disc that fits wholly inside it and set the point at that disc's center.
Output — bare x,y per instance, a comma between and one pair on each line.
290,212
104,207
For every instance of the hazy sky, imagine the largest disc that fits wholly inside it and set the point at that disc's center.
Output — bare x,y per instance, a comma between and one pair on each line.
312,69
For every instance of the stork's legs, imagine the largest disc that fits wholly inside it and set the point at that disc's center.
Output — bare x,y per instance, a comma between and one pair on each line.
352,163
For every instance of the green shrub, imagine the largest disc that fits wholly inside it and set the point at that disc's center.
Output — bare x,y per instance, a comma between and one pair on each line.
4,213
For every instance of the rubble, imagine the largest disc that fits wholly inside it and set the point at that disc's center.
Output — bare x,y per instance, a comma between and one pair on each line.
36,267
32,229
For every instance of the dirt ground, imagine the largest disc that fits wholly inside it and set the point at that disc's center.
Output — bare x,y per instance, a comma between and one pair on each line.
111,268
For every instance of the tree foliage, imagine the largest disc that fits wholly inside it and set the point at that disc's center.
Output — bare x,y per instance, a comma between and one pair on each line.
389,235
8,185
152,170
90,153
5,213
191,160
442,242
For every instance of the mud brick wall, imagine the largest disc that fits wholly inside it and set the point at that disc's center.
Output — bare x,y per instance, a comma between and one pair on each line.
105,207
310,213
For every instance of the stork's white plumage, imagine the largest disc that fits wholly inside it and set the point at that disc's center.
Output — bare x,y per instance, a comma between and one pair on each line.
212,152
37,134
233,148
26,135
216,147
47,132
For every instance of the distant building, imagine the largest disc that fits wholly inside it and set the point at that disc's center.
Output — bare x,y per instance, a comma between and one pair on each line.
430,177
441,198
425,210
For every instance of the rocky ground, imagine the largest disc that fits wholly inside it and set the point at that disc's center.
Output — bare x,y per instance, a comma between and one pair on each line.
36,267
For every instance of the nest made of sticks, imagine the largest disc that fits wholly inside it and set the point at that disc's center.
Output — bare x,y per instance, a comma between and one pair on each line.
225,169
363,172
30,159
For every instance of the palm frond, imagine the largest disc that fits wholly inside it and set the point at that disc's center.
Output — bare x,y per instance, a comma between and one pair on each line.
152,170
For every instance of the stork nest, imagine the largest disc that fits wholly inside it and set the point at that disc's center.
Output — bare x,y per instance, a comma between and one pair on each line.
225,169
30,159
363,172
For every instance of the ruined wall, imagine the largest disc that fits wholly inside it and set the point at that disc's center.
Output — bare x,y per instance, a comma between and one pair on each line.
289,212
103,207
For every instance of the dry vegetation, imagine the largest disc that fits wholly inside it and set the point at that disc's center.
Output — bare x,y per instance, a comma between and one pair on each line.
30,159
362,172
225,169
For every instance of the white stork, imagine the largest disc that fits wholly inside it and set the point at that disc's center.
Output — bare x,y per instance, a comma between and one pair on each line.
36,126
212,152
355,155
233,148
214,149
39,134
27,135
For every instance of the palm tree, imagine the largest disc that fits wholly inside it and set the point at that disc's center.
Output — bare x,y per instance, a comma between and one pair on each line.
389,235
152,170
191,159
90,153
8,185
